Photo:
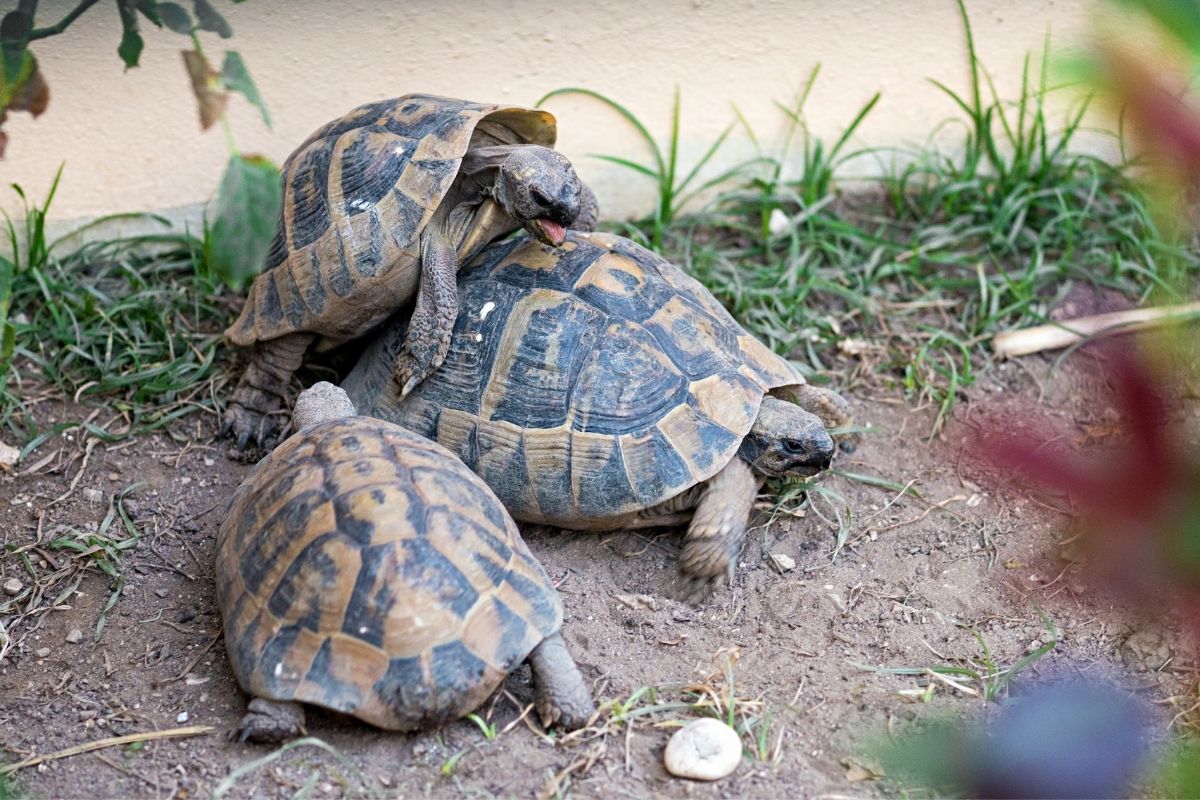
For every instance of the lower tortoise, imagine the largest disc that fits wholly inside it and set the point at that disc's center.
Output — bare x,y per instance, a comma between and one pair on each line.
598,387
363,569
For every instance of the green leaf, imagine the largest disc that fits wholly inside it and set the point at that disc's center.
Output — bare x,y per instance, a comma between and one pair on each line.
209,19
130,48
176,17
247,212
14,35
237,78
149,9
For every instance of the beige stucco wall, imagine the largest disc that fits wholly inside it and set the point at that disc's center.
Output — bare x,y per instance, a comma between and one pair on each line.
131,142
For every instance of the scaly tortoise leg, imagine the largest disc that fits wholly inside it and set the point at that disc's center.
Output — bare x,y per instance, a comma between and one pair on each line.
718,528
563,698
828,405
250,416
428,338
271,721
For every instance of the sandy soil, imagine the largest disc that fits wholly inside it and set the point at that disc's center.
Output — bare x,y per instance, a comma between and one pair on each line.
909,572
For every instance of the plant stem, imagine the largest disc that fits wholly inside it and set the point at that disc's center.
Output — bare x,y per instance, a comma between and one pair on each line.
63,24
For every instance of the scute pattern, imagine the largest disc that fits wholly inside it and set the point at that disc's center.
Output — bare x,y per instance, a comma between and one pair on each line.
357,194
583,384
362,568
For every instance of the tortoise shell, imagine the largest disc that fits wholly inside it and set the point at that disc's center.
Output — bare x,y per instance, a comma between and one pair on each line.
356,196
583,384
364,569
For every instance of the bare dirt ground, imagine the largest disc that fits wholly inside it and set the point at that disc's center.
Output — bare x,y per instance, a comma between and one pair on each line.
911,570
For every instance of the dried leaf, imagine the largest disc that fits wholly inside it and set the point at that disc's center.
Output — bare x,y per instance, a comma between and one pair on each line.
237,78
206,86
28,93
33,95
176,17
247,213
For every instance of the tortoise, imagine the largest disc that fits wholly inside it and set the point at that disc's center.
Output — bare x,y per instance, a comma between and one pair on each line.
597,386
394,194
364,569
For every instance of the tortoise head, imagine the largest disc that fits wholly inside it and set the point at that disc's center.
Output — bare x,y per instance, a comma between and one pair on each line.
539,188
320,402
787,441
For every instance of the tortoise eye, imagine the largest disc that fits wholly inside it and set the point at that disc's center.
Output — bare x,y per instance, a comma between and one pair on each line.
792,446
540,198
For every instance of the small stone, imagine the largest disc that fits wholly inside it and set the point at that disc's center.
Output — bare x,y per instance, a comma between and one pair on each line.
161,593
42,652
93,495
208,462
13,586
704,750
782,562
181,717
75,636
9,456
778,222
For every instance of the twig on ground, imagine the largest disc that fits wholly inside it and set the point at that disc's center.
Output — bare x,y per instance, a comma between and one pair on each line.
100,744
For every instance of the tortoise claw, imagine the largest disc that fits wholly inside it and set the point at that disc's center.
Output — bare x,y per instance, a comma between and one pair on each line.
248,427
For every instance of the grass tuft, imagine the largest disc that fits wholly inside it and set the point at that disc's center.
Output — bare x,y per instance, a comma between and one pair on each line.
134,321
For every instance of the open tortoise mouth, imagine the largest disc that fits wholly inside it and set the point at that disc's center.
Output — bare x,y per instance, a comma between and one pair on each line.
547,231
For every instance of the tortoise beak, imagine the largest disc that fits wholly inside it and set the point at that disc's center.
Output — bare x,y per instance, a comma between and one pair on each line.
547,231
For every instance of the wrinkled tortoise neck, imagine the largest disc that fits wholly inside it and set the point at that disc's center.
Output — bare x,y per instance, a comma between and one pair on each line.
480,169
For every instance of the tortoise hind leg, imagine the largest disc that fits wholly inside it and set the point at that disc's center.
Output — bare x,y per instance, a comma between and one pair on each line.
718,528
428,338
271,721
563,698
260,393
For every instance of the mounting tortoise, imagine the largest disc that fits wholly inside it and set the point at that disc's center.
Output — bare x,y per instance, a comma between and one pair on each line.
394,194
364,569
598,387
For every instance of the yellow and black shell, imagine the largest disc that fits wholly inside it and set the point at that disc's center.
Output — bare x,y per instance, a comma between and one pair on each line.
364,569
356,196
582,384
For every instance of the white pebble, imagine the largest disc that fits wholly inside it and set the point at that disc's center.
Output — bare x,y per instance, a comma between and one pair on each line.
778,222
182,717
705,750
75,636
13,586
93,495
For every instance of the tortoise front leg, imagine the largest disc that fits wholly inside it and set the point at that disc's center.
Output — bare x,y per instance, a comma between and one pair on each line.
589,210
428,338
826,404
563,698
250,416
271,721
718,526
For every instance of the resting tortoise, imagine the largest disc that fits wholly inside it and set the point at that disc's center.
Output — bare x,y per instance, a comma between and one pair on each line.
364,569
599,387
392,195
